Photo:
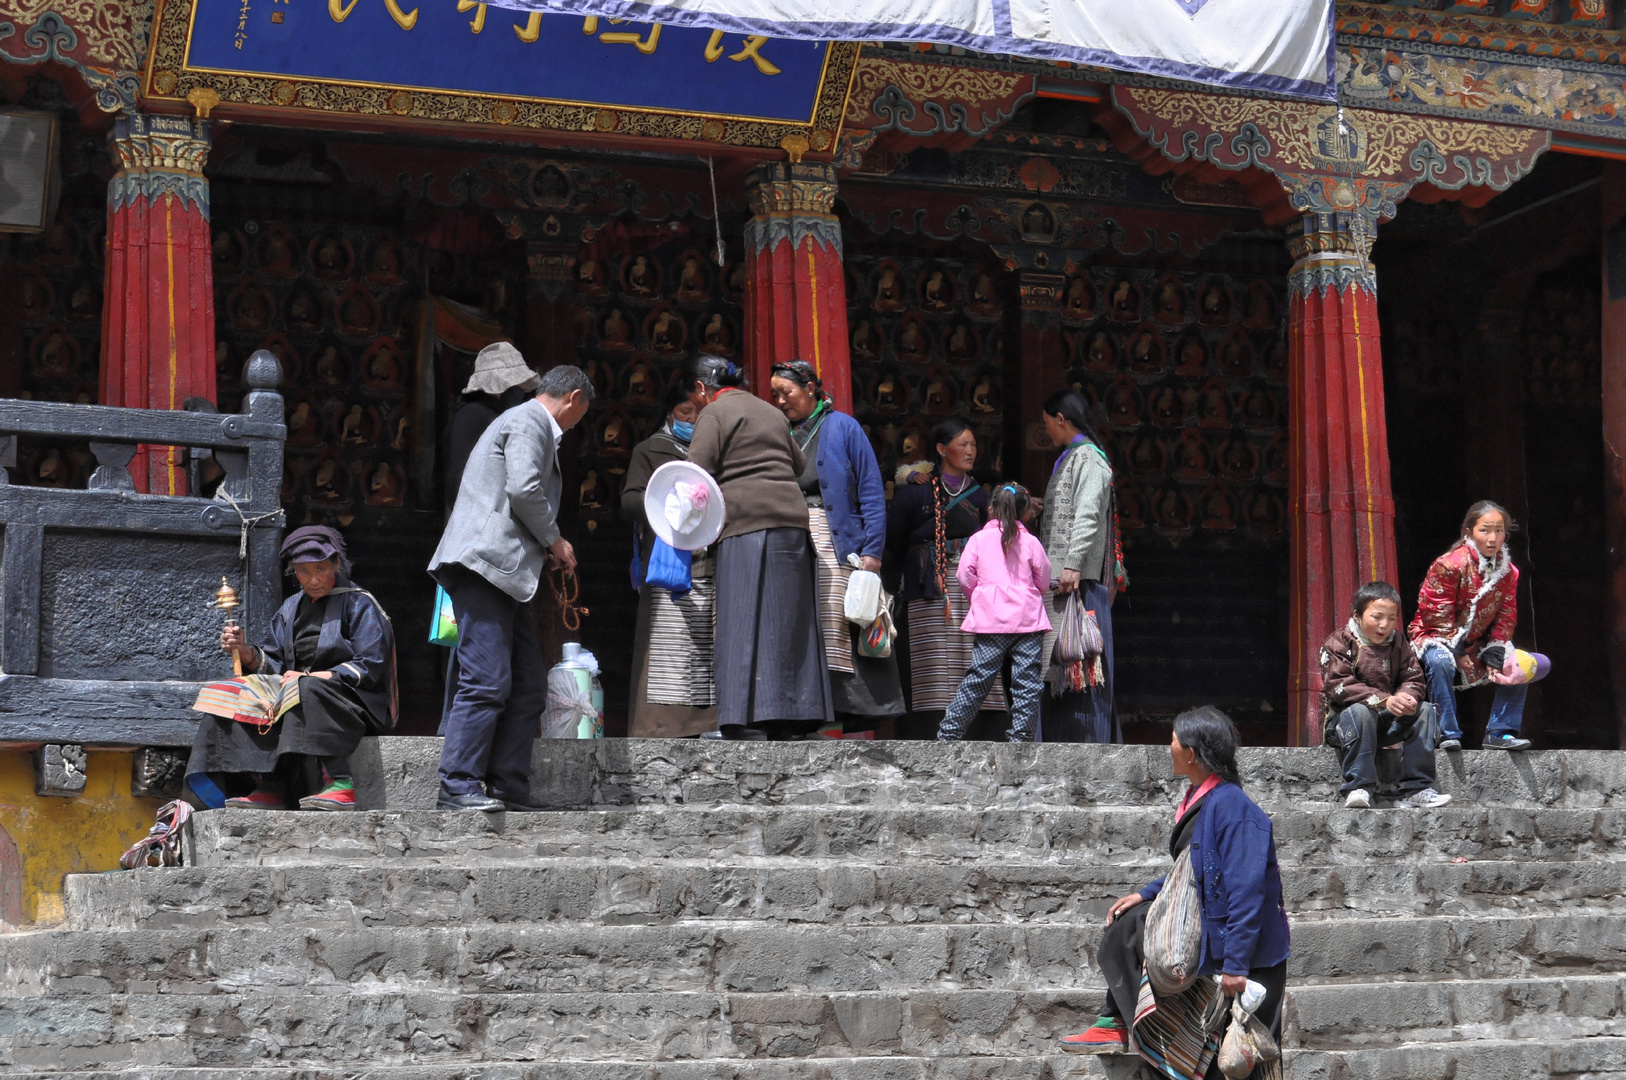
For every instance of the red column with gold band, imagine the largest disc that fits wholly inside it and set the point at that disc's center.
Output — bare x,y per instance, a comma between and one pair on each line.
159,320
1342,504
796,302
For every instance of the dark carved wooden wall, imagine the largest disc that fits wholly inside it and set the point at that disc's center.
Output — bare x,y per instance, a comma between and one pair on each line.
1187,371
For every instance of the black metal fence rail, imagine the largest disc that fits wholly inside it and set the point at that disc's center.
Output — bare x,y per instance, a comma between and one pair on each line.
106,628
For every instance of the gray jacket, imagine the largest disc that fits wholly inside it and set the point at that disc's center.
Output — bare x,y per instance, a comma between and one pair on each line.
507,510
1077,527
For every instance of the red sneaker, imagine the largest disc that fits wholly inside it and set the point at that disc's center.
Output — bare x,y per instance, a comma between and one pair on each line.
261,799
1108,1036
339,795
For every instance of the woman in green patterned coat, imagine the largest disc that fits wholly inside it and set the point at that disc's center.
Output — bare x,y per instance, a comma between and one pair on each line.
1079,534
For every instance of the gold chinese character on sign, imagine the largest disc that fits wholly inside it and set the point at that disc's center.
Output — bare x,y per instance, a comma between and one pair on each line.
751,52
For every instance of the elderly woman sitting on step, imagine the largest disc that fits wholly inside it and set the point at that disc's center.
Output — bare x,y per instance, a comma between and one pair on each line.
333,640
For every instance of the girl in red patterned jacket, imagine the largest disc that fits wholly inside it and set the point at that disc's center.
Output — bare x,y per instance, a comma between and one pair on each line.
1463,630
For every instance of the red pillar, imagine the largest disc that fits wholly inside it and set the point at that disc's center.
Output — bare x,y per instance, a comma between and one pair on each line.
796,291
158,324
1614,425
1342,504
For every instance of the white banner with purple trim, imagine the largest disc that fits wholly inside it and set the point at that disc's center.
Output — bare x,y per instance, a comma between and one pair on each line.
1272,46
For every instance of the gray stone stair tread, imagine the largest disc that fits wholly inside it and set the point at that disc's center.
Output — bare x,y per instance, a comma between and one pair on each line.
287,1024
784,890
1601,1058
756,956
400,772
912,835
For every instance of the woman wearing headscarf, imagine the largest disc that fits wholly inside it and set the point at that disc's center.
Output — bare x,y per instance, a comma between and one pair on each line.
1079,532
846,510
1244,921
775,682
935,509
336,640
673,692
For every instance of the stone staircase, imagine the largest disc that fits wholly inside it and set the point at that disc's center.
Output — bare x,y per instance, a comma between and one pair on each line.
837,911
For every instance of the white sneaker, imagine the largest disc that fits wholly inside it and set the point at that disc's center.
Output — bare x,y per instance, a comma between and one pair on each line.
1359,799
1427,799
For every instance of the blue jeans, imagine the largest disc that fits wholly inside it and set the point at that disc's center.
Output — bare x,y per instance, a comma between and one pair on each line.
502,687
1357,733
987,658
1507,708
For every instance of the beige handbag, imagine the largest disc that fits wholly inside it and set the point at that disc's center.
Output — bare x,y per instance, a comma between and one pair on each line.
1173,939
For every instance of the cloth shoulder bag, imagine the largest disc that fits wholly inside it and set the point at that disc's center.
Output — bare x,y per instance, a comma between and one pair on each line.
1173,939
162,844
1247,1044
875,640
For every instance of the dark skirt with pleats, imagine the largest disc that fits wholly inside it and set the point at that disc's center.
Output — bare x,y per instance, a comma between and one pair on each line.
329,721
769,650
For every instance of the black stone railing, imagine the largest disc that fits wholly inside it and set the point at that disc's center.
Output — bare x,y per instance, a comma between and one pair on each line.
106,629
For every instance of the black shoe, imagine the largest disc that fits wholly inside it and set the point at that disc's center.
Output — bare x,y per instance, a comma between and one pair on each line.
743,733
519,805
474,800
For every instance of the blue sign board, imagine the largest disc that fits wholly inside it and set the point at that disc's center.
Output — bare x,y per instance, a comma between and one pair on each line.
468,48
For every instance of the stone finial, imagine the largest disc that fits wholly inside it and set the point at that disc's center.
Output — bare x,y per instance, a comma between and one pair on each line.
264,370
156,773
59,770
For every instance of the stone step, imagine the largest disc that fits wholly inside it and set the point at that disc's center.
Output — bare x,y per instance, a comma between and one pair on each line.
1487,1059
907,836
398,772
416,1028
619,892
754,956
894,1067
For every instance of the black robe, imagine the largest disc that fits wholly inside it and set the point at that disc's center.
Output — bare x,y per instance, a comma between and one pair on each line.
345,632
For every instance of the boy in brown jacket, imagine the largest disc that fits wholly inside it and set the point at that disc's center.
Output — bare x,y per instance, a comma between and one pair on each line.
1372,692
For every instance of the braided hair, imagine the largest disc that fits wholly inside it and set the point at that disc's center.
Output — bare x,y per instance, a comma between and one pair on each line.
1010,505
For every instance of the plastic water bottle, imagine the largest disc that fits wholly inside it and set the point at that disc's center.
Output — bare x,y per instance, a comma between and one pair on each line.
584,665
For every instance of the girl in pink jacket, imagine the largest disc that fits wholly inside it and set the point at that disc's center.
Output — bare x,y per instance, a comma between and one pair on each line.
1005,572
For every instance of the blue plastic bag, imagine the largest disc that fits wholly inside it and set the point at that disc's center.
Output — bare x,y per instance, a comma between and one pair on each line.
669,567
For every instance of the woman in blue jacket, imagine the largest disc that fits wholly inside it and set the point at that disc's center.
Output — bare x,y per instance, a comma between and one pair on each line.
846,509
1244,936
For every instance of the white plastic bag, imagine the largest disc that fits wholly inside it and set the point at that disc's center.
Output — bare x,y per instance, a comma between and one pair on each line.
568,705
863,601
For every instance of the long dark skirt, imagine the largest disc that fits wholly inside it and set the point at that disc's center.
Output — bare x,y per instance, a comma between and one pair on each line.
1088,715
329,722
1122,960
770,653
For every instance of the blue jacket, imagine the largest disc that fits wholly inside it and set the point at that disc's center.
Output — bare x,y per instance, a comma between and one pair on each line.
1233,855
850,484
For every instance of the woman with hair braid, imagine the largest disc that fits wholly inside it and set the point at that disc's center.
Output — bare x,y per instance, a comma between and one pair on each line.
846,510
935,510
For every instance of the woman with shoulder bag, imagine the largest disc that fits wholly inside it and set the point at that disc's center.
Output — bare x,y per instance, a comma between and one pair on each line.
1079,532
674,694
846,510
1231,856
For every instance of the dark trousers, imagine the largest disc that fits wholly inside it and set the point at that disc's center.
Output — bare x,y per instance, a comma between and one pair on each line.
987,659
1359,731
502,687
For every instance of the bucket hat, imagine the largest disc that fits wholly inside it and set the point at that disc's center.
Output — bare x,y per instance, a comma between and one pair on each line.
500,367
684,506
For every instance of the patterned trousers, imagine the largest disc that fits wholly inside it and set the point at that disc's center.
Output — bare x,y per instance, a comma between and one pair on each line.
1027,679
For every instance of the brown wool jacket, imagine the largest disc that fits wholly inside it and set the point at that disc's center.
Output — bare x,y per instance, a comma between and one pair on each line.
746,444
1355,671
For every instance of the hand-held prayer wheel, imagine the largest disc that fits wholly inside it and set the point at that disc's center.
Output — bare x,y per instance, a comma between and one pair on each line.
226,600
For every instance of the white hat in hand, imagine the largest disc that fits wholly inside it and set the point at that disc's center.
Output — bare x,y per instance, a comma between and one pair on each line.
684,506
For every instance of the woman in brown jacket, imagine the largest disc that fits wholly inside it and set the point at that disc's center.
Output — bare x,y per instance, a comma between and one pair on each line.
772,678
